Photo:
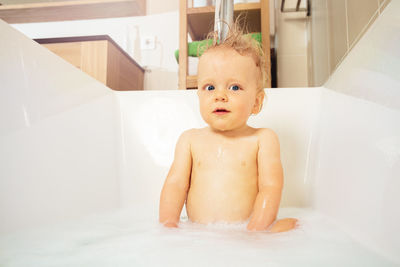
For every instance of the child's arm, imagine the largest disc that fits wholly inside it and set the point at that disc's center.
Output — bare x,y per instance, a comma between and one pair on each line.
176,185
270,182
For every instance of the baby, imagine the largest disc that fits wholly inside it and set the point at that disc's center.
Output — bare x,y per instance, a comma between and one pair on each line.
229,171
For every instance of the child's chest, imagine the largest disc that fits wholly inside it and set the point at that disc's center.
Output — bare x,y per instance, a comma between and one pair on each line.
234,154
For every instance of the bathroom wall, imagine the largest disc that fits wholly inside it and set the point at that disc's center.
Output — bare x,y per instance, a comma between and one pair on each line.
292,46
335,27
371,70
161,6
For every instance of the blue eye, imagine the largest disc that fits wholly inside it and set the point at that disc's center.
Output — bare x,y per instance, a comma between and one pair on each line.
234,88
209,87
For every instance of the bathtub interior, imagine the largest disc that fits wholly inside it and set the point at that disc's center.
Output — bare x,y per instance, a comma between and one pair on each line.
82,168
153,121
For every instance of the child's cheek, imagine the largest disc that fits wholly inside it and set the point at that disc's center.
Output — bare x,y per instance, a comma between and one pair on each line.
245,108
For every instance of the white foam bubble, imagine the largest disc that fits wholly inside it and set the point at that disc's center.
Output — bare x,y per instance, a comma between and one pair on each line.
124,238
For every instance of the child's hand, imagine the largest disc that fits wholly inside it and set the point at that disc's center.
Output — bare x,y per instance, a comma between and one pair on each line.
171,225
276,227
255,227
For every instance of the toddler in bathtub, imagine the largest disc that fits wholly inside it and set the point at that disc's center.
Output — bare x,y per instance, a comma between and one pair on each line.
229,171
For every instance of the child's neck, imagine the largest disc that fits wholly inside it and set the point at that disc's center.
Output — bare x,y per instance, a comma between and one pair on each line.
238,132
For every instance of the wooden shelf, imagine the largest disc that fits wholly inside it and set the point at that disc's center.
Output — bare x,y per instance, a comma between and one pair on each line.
71,10
201,19
191,82
211,9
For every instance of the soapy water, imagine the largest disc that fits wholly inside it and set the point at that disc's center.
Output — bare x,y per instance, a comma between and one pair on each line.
123,238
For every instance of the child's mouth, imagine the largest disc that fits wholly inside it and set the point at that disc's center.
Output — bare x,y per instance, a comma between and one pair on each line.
220,111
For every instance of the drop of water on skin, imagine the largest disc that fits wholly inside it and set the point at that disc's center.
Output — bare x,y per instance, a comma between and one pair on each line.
219,155
264,205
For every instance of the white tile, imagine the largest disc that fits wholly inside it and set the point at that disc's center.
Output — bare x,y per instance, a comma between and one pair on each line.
292,71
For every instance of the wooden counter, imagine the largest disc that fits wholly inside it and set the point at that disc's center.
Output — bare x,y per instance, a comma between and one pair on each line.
100,57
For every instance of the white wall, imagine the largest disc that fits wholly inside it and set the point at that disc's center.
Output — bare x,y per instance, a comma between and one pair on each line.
127,33
292,46
161,6
371,70
335,27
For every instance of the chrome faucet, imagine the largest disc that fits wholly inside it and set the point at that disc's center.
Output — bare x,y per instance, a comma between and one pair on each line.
223,17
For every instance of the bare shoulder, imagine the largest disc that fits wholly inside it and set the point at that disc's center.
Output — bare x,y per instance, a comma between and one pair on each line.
190,136
184,140
192,133
267,135
268,143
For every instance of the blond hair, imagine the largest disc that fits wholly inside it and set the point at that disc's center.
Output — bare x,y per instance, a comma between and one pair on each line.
242,43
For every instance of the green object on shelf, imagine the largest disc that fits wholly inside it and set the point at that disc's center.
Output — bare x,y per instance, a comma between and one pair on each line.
195,51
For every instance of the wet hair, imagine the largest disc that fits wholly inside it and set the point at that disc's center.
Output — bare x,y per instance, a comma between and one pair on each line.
242,43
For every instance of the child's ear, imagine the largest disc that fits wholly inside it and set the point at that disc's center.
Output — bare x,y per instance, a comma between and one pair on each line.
259,102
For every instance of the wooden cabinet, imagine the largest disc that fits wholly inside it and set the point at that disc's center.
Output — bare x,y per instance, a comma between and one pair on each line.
198,21
61,10
100,57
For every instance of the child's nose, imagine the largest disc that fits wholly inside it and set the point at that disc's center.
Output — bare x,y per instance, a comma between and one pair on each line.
220,95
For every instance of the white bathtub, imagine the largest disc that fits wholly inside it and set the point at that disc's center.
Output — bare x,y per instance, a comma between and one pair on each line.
81,169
